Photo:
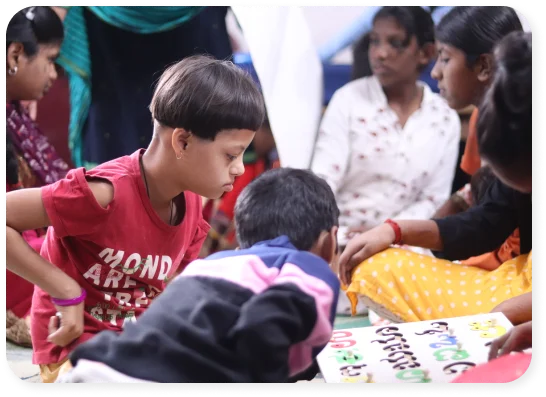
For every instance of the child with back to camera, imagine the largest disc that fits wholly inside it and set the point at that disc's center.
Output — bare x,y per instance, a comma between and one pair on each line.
258,314
119,232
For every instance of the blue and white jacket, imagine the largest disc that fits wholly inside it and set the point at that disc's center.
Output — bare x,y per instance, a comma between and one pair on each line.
256,315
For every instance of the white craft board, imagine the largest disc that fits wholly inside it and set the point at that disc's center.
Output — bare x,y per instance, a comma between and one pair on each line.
433,351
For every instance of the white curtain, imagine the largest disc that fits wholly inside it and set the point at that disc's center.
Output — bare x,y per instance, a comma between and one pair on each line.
290,73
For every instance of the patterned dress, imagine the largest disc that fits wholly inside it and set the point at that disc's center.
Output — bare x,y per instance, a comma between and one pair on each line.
31,162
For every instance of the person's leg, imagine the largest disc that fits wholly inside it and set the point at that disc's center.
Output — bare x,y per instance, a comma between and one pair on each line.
50,372
87,371
403,286
344,306
18,302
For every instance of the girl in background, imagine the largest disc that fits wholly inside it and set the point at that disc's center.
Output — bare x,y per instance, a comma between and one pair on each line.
387,144
33,39
409,287
464,72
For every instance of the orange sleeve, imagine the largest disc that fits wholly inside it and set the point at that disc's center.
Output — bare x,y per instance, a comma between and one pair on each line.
471,161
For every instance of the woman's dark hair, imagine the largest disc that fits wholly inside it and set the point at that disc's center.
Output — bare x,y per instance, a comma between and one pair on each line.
480,183
476,30
33,26
361,62
285,201
415,20
12,166
205,96
505,117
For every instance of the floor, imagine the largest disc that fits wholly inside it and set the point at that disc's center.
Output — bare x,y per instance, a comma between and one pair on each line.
20,362
20,358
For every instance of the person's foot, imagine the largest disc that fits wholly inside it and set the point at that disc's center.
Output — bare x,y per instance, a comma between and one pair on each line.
10,319
344,306
17,330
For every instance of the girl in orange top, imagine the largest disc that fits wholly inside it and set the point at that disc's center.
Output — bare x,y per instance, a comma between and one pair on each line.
470,195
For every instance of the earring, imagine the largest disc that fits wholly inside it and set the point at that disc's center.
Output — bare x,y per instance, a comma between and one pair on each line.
12,71
178,158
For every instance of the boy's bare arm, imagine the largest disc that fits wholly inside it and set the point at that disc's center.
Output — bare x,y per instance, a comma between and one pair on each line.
25,210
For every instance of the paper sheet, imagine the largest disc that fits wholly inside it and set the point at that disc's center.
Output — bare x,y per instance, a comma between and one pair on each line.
421,352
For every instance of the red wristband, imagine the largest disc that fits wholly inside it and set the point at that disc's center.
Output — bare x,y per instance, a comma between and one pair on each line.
70,302
397,232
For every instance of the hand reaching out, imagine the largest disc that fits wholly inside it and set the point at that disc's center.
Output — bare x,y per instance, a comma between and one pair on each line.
517,339
362,247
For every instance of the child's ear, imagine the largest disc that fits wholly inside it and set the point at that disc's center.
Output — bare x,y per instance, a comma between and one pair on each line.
180,139
329,247
484,67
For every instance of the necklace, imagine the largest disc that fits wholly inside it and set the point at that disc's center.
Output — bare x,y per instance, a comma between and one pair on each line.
148,192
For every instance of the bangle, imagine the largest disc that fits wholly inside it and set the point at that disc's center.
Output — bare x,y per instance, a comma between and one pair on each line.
397,232
70,302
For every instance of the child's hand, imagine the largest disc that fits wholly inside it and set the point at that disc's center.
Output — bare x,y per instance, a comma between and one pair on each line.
362,247
67,326
517,339
355,230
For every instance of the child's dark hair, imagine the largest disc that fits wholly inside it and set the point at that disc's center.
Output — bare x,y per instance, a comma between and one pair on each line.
475,30
33,26
205,95
12,165
285,201
480,183
505,117
361,63
415,20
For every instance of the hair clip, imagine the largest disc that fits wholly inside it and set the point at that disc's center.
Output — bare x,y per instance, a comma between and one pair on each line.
30,13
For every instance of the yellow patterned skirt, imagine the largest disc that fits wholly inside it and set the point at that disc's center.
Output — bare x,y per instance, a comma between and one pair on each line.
403,286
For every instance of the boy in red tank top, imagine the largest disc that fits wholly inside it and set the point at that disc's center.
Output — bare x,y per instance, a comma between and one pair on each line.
121,231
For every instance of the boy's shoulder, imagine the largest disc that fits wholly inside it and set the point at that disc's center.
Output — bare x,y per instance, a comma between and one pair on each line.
279,253
116,168
129,166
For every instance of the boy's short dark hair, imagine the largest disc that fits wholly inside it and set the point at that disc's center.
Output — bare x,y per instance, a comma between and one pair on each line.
205,96
285,201
505,115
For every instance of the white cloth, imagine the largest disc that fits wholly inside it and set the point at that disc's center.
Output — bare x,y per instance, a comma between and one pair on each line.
379,170
87,371
290,73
